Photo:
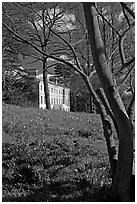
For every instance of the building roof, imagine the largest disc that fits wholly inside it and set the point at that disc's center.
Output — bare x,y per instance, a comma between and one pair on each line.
59,85
40,77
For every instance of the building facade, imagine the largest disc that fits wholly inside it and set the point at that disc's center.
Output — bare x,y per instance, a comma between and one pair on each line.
59,95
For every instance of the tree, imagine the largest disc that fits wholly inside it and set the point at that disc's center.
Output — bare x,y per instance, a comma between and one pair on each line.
19,89
80,97
89,62
122,178
34,23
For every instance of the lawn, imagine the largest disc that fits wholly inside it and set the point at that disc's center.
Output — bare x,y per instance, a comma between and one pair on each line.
53,156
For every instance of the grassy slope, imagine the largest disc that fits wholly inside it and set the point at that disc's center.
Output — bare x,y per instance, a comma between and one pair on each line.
53,156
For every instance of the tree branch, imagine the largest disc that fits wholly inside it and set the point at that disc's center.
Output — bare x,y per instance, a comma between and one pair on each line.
121,49
131,108
121,45
125,78
33,23
108,22
92,73
43,53
124,5
72,50
126,64
126,17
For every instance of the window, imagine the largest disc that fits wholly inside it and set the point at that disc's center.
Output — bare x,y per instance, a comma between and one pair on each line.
51,100
41,87
57,100
41,99
63,96
51,90
54,101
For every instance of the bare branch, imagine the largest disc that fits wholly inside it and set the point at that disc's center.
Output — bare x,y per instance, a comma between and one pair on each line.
126,17
124,5
132,85
131,108
125,78
121,49
80,39
113,52
121,44
125,65
51,65
33,23
108,22
71,48
92,73
44,53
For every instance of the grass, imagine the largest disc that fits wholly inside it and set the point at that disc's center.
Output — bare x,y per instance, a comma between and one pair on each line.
53,156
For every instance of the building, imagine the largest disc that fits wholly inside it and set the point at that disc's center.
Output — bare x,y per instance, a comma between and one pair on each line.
59,94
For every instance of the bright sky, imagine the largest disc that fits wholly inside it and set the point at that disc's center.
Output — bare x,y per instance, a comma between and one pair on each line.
65,22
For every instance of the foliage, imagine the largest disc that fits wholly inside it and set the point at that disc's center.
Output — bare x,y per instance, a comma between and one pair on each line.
64,73
9,57
19,88
48,156
80,96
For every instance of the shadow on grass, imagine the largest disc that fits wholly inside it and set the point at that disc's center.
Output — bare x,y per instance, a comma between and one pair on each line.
41,180
65,191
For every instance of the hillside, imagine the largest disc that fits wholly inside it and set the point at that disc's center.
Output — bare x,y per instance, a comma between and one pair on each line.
53,156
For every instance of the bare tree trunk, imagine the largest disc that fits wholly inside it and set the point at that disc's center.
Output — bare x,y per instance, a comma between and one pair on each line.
104,100
108,134
122,180
45,82
110,142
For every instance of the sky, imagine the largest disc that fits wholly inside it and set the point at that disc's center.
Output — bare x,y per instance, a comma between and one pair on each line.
65,23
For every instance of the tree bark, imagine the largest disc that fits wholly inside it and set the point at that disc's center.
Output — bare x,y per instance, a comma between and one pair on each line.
122,180
110,142
46,87
104,100
108,134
